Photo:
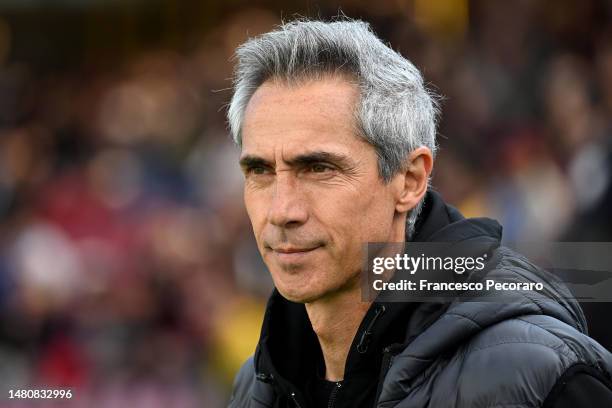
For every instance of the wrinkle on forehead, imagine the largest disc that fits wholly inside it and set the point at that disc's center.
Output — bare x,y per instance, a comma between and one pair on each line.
332,98
284,122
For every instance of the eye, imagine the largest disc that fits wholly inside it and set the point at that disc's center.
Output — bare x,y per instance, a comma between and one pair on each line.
320,168
257,170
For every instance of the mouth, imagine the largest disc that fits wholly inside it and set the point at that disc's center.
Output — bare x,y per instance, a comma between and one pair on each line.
293,250
293,254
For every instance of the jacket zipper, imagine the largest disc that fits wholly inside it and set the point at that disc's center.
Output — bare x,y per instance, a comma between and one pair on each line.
332,397
364,342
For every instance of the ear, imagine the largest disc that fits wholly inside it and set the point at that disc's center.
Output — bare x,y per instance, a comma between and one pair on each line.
414,178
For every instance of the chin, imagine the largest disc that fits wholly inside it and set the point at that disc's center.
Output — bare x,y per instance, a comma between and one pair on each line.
299,295
306,290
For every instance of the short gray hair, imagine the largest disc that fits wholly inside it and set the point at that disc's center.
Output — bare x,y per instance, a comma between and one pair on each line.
396,112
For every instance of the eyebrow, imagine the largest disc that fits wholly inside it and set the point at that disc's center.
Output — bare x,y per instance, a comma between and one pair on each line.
338,159
249,161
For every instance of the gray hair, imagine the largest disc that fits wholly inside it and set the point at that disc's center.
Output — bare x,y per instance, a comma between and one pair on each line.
396,112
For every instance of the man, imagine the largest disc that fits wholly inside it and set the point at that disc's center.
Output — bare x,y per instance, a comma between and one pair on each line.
337,136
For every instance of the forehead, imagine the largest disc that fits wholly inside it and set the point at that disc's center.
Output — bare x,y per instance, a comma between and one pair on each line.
313,114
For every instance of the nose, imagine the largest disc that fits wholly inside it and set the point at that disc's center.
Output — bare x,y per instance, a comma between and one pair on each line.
288,208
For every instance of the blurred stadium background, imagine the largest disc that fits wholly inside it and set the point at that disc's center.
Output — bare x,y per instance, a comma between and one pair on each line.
127,267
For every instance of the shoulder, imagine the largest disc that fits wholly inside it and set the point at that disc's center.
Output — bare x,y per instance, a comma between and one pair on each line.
520,360
243,384
252,389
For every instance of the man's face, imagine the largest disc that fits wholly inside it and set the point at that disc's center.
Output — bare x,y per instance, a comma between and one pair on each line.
312,188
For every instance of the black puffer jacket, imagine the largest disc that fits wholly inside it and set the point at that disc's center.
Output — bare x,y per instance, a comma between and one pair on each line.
530,351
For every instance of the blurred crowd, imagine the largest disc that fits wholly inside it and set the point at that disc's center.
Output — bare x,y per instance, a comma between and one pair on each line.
128,271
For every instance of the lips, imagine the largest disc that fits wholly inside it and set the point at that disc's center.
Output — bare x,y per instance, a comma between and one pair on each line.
293,255
293,250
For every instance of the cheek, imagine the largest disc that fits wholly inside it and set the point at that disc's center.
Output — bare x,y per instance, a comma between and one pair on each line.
377,221
356,221
367,215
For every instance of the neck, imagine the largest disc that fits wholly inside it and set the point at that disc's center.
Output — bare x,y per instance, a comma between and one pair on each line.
335,321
